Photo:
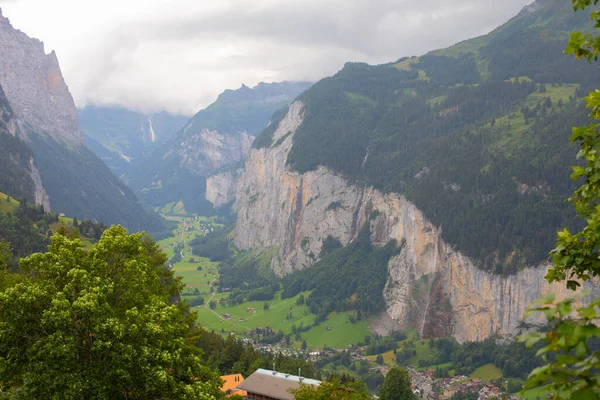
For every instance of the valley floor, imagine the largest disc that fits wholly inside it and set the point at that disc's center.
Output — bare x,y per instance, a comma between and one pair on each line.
201,277
282,315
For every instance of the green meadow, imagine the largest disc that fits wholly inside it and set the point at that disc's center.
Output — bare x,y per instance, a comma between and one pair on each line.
8,206
337,331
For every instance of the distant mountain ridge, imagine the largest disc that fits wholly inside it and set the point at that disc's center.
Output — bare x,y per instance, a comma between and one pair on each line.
216,138
120,136
47,150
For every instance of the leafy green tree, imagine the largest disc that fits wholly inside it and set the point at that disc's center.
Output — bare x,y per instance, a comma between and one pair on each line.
379,359
99,324
396,385
304,345
266,306
355,390
571,366
6,278
5,254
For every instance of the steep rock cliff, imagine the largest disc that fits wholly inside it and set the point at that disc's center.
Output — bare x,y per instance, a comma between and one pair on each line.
33,82
19,176
40,195
429,284
206,151
222,187
55,168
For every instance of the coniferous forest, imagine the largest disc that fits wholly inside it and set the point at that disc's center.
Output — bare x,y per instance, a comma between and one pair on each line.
478,141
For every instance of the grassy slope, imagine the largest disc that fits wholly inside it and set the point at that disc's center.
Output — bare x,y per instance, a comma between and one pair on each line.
515,137
8,207
487,373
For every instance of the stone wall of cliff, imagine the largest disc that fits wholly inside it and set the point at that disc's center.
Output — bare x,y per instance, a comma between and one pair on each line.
205,152
35,87
40,195
279,208
222,187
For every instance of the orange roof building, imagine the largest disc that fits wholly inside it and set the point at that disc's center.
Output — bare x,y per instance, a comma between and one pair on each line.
230,383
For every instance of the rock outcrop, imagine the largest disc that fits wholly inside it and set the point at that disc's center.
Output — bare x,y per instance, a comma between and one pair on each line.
33,82
206,151
279,208
222,187
40,195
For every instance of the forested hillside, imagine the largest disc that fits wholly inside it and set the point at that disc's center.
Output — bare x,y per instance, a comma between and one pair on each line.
27,228
476,135
79,184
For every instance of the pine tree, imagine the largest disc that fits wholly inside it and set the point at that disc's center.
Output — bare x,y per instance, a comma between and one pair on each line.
396,385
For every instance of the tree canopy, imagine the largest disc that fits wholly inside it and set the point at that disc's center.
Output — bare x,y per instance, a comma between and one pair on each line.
396,385
99,324
348,390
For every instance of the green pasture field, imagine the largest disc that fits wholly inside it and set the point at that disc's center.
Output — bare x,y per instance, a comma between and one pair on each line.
488,372
8,207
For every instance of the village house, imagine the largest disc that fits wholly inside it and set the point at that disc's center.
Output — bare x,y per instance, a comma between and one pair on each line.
272,385
230,385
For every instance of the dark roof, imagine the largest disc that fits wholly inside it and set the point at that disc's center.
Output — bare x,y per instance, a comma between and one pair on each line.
274,384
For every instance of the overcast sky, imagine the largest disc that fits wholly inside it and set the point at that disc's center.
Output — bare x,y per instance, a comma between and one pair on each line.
178,55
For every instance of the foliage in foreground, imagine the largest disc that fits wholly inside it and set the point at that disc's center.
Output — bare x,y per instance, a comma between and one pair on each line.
98,324
572,366
344,390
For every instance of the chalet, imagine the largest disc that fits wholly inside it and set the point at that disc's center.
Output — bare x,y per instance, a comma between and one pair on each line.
250,309
272,385
227,316
231,383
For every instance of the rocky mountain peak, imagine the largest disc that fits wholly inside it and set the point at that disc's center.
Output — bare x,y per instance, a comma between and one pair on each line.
35,87
3,20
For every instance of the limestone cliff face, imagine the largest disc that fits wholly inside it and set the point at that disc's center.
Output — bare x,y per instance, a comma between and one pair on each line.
221,187
16,163
206,151
40,195
35,87
295,212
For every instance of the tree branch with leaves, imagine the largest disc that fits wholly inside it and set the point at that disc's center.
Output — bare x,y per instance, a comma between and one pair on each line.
572,366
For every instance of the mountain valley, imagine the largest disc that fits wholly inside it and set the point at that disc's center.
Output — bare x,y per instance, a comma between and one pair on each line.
122,137
403,214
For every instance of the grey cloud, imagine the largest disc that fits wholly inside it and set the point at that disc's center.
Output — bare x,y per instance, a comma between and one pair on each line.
181,61
353,25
